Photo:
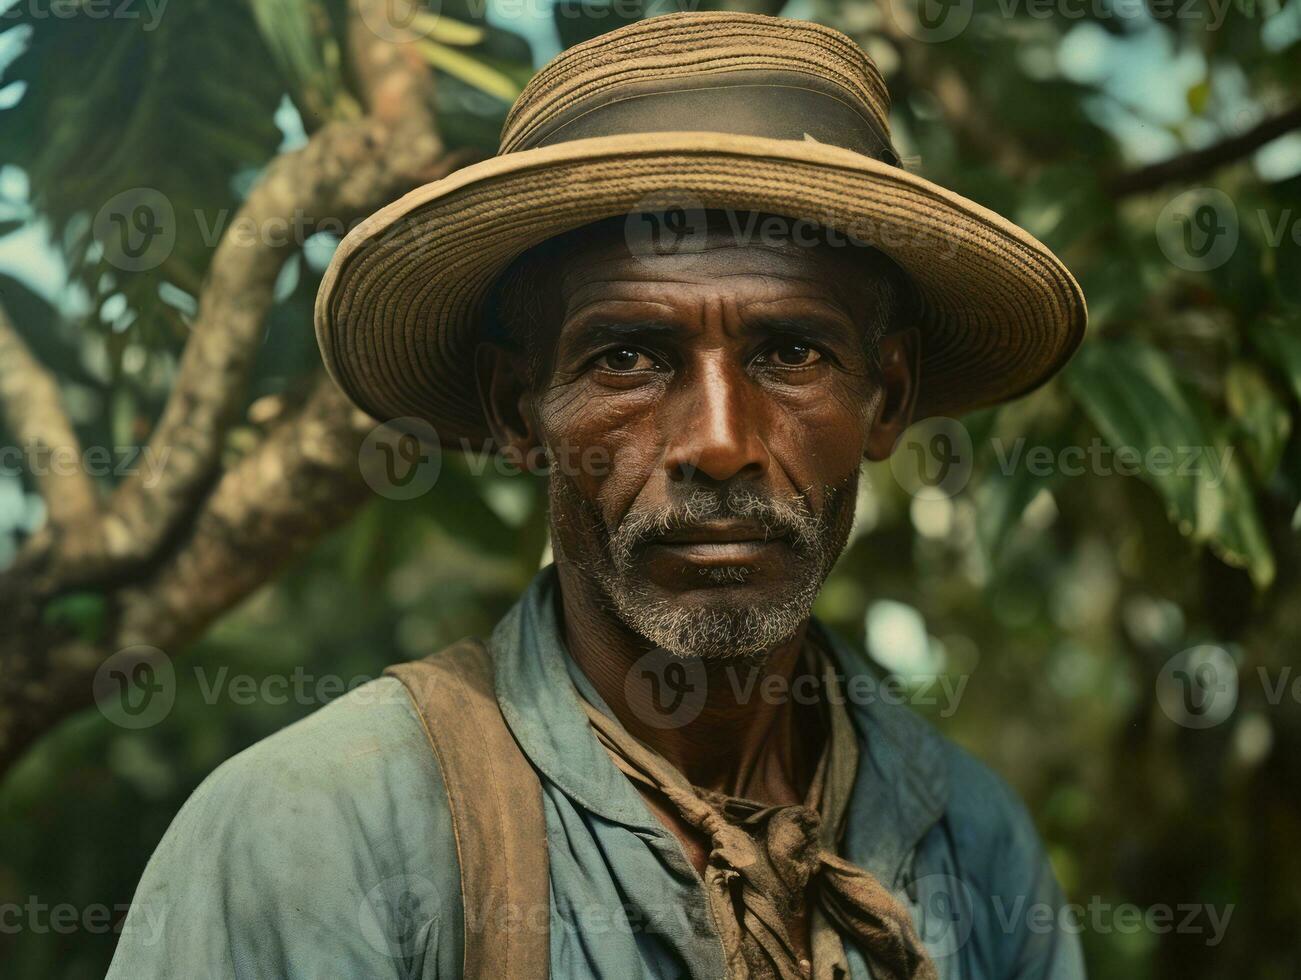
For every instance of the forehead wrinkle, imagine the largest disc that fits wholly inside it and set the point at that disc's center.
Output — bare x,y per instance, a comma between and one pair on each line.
574,311
577,292
841,293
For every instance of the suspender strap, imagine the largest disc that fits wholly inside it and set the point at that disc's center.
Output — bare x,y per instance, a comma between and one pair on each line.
496,806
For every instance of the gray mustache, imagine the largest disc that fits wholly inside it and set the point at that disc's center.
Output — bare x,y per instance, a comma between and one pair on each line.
779,518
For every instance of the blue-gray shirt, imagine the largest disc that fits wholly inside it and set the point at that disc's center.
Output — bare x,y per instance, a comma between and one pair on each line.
326,851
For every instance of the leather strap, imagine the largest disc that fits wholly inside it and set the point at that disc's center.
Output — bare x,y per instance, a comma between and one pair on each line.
496,804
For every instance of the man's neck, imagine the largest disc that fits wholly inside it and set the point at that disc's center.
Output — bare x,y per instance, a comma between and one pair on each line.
747,738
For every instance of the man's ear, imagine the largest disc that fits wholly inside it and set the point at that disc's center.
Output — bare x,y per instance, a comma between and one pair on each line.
900,374
504,394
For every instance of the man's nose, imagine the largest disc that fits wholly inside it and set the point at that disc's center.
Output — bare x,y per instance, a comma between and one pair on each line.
716,427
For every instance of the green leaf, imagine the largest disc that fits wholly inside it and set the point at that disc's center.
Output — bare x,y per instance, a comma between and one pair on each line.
1009,483
1231,523
470,70
124,119
1280,340
302,52
1129,391
445,30
1264,421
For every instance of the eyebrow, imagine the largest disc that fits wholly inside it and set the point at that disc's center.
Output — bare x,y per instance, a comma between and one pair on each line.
594,330
819,328
815,327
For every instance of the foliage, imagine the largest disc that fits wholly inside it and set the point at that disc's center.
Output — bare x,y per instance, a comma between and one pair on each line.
1058,596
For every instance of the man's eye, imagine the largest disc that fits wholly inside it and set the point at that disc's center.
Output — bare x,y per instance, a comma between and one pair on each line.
792,355
624,359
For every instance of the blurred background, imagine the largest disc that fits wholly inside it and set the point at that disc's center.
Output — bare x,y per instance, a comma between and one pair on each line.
1097,589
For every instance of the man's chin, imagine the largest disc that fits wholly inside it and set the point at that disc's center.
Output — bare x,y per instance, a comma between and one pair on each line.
718,617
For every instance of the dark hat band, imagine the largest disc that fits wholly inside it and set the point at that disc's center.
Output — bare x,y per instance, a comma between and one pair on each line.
782,105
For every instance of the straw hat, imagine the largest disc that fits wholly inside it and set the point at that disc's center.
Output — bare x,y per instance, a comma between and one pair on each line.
692,111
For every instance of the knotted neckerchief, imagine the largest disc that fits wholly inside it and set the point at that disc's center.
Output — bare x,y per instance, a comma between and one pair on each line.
764,859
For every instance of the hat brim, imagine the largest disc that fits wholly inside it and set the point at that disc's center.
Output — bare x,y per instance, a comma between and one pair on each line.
398,314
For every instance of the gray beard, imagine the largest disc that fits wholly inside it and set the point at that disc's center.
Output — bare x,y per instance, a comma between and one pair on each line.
726,629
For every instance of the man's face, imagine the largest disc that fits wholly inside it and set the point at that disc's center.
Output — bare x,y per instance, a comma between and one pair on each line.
705,416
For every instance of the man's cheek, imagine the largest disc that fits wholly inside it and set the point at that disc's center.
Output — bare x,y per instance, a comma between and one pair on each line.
820,445
589,426
635,481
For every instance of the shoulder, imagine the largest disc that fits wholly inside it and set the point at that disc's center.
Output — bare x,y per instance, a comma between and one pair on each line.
934,779
983,819
299,847
357,773
984,860
982,887
986,814
351,760
1014,916
368,740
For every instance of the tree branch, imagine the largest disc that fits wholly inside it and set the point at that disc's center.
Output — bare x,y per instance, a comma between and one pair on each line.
1188,166
345,172
164,560
33,410
301,481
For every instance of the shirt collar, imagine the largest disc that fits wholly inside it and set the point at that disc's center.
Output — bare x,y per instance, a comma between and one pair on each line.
902,787
538,700
900,791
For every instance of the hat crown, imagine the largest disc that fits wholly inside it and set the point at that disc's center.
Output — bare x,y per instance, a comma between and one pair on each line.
715,52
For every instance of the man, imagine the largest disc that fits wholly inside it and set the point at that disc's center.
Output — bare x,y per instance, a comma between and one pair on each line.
697,283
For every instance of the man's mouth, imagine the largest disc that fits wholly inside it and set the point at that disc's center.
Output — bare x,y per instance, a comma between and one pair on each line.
715,544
